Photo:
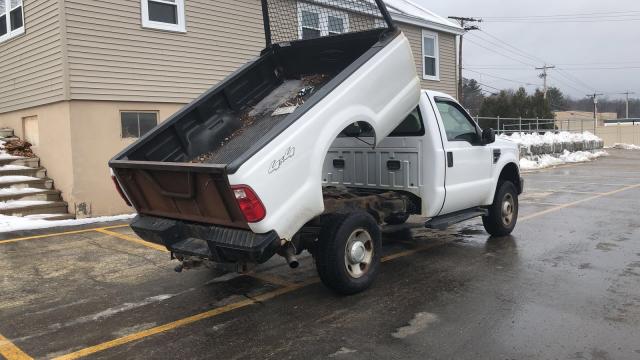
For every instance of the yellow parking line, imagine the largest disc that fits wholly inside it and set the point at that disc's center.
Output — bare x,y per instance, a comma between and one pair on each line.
564,191
537,203
132,239
10,351
214,312
59,234
273,279
560,207
179,323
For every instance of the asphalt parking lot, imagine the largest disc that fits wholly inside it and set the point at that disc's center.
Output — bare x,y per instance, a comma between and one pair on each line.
565,285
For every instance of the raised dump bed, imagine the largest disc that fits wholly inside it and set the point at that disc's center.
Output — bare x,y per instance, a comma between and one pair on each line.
357,63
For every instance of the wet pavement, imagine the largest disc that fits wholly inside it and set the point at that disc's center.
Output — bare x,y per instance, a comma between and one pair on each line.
565,285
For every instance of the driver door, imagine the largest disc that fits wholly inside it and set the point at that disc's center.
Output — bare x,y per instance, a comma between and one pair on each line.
469,163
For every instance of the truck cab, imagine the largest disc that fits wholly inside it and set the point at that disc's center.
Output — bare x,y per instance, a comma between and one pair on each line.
438,154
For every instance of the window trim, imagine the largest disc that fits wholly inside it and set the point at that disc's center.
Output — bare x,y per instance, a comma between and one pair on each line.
422,131
323,16
17,32
465,113
156,112
157,25
436,50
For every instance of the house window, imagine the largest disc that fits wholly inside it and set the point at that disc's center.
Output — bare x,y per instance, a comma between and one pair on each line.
11,19
135,124
315,21
163,15
430,57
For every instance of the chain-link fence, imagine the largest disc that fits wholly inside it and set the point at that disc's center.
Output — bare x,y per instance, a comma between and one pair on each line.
513,125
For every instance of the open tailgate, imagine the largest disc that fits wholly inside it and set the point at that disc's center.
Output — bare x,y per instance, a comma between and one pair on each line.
193,192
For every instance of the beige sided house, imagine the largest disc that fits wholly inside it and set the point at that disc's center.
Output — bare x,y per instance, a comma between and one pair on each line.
82,79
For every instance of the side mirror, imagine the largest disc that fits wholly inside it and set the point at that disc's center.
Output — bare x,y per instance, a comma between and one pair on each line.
488,136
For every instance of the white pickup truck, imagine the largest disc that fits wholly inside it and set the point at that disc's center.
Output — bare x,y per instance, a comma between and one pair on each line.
312,146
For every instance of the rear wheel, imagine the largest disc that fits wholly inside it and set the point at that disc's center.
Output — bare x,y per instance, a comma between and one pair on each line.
503,213
348,252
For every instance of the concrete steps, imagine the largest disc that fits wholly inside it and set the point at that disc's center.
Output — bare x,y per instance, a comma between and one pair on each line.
25,189
6,133
31,207
21,161
31,194
14,182
21,170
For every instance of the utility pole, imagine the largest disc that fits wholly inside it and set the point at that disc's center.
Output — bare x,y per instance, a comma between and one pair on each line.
594,96
627,94
463,23
544,76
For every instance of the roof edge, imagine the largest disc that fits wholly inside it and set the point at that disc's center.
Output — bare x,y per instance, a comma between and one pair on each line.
426,24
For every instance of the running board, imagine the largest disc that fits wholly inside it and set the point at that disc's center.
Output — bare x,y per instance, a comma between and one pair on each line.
444,221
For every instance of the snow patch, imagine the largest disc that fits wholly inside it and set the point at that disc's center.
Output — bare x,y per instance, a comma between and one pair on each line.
545,161
5,156
23,191
14,204
419,323
343,351
15,223
529,139
14,167
625,146
16,178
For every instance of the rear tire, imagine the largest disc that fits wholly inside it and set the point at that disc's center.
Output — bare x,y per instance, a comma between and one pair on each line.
503,213
348,252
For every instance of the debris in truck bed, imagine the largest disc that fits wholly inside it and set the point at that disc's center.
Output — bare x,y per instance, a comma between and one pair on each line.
284,100
19,148
246,121
315,80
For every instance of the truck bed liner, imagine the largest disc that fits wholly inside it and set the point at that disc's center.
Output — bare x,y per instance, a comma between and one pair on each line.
259,119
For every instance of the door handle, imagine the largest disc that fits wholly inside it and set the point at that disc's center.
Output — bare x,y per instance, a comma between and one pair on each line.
449,159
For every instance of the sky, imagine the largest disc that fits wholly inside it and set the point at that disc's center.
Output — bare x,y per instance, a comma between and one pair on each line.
588,52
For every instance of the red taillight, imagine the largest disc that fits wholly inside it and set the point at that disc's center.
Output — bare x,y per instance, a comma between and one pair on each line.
249,203
119,189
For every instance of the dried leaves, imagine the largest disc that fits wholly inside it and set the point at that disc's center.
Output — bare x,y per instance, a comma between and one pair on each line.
19,148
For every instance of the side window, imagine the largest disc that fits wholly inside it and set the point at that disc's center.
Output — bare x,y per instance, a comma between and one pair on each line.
11,19
316,21
136,124
456,123
163,15
411,126
430,56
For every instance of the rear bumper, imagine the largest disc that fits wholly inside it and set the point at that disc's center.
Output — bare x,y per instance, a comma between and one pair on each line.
216,243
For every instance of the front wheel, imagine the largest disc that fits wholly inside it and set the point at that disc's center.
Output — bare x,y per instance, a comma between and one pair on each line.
503,213
348,252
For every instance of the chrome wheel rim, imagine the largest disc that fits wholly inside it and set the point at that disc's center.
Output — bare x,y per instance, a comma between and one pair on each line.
508,209
358,253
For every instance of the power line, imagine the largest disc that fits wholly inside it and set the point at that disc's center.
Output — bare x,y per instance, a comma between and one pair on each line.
566,75
506,50
559,21
534,57
501,54
463,21
600,13
501,78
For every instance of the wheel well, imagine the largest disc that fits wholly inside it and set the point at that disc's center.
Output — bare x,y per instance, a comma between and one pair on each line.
511,173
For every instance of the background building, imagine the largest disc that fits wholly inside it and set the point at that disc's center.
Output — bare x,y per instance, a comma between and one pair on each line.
82,79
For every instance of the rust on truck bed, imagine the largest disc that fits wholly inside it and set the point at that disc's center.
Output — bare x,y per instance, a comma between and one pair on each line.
195,193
